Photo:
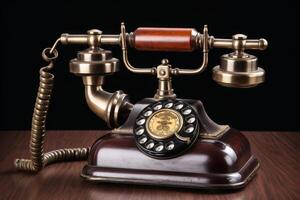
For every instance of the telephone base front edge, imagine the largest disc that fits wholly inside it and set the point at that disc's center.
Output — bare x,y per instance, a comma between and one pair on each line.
224,163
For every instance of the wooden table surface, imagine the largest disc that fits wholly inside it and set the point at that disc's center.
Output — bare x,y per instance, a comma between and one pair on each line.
278,177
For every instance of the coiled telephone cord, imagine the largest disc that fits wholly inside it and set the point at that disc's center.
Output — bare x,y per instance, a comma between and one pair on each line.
39,159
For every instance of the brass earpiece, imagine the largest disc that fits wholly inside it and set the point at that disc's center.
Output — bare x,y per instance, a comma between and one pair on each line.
239,69
93,65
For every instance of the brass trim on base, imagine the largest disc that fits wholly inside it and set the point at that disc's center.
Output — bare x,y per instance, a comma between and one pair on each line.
217,134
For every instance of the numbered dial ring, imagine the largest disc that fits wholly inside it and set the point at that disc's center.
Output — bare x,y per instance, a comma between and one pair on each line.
166,128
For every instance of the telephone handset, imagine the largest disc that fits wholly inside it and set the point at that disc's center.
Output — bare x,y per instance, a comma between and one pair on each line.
162,140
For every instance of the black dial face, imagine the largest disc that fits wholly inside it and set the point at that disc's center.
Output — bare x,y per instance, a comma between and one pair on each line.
166,128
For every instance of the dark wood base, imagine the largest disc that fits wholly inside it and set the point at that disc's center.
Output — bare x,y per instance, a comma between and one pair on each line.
225,162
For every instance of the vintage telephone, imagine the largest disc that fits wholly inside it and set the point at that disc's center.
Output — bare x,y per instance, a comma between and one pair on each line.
158,141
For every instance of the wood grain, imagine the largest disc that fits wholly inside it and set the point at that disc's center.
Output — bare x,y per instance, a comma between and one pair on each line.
278,177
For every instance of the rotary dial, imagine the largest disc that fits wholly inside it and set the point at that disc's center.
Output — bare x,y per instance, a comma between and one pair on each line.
166,128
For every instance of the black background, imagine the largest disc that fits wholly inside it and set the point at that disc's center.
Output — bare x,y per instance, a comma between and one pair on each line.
28,27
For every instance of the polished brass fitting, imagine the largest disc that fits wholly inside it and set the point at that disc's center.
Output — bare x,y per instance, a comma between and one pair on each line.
93,64
165,89
239,69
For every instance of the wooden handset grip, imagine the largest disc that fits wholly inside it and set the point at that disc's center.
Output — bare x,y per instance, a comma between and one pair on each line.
164,39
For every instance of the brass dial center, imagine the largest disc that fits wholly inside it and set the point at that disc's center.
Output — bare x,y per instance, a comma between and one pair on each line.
164,123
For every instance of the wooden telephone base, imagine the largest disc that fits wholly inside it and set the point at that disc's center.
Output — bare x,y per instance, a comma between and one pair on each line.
225,162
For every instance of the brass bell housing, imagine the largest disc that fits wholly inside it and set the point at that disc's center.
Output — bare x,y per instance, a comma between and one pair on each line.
239,69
